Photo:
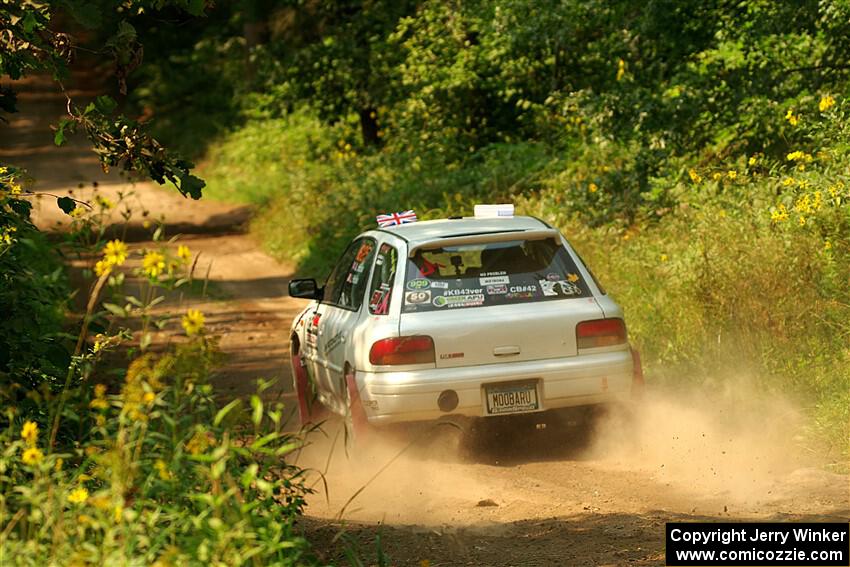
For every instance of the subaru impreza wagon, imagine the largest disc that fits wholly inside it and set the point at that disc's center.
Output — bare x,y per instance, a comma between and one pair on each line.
469,318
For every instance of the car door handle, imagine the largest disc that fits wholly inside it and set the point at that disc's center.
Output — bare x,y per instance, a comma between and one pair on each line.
506,351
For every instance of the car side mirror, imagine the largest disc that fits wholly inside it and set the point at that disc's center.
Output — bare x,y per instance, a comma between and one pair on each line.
305,289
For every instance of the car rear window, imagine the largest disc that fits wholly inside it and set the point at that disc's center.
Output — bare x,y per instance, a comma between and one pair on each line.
494,273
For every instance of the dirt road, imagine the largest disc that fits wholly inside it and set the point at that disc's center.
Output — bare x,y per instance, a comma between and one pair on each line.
552,497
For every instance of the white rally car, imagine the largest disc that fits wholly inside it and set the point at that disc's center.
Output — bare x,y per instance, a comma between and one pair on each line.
459,318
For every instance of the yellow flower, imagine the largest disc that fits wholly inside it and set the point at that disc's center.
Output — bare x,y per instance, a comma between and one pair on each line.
792,118
593,188
799,156
826,102
104,202
184,253
664,257
193,322
78,212
803,204
753,160
621,69
149,397
153,264
119,511
99,390
827,245
115,252
98,403
802,220
102,267
199,443
29,433
731,174
779,214
6,236
14,188
717,176
162,469
58,465
32,455
78,495
695,177
787,182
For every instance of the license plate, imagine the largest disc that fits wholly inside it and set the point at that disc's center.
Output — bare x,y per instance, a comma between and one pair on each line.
511,397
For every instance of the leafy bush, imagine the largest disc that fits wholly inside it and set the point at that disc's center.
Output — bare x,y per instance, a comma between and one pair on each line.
33,296
161,476
148,469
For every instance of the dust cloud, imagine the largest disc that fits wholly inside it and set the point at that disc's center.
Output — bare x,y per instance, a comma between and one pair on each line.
667,451
720,444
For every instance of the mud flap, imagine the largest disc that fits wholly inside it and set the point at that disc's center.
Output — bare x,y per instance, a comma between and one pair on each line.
308,412
360,428
637,376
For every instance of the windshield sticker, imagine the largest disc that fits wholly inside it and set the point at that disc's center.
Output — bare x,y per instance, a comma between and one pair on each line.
519,295
561,288
464,291
418,296
499,289
440,285
499,273
418,283
429,268
553,277
493,280
365,248
468,300
379,302
572,278
529,288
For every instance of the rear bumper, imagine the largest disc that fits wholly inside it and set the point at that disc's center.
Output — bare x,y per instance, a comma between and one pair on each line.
390,397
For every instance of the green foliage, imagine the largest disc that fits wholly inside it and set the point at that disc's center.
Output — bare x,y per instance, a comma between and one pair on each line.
161,475
33,295
30,44
146,469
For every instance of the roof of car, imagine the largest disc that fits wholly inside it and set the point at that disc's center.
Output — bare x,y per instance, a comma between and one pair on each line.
428,230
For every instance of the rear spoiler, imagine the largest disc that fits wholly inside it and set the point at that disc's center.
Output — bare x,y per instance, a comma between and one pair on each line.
542,234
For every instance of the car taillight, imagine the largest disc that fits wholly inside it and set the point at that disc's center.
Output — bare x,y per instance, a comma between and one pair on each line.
600,333
418,349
